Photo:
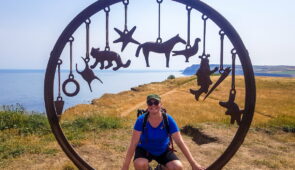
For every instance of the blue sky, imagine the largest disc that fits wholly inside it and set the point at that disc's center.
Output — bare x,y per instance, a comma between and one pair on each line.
29,30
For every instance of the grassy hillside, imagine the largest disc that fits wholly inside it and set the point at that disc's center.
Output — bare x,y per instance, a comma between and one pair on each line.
101,131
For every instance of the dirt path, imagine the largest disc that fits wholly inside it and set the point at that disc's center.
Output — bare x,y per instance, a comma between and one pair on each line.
130,110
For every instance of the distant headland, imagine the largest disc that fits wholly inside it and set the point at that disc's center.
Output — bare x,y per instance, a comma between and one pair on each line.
270,71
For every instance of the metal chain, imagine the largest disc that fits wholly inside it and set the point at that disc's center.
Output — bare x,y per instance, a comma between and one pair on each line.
188,8
204,18
87,22
125,2
71,39
159,39
233,52
221,33
59,62
107,10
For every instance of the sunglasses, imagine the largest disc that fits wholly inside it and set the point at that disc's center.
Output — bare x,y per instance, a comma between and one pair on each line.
150,103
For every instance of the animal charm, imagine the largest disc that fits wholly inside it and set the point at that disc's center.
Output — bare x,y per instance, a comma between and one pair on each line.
165,47
188,52
232,108
87,74
203,77
109,56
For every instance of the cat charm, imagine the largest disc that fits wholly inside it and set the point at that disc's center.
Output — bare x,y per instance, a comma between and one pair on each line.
109,56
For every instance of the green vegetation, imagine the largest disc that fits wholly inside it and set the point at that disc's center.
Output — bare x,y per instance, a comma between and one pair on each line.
76,129
99,130
24,123
283,122
22,133
171,77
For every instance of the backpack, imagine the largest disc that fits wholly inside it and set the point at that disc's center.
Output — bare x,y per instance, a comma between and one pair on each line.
166,124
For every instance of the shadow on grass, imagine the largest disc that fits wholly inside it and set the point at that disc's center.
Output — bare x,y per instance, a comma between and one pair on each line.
199,137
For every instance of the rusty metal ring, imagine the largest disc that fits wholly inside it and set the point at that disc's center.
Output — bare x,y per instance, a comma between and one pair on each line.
221,33
218,19
107,9
87,60
59,62
64,89
159,40
204,17
159,1
59,98
126,31
88,21
125,2
204,56
71,39
189,8
233,51
233,91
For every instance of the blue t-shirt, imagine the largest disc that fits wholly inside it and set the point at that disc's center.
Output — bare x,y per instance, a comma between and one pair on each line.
155,140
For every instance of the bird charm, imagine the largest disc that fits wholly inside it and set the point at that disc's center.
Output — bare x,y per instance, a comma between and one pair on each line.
189,51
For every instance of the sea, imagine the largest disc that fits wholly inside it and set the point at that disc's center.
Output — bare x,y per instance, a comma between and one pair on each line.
26,87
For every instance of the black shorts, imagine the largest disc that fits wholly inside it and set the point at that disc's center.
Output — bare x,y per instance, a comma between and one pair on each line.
163,159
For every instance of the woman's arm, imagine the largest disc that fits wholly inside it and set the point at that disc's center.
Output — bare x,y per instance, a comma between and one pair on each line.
180,143
134,141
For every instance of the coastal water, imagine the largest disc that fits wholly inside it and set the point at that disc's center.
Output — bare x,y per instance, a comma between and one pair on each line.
26,87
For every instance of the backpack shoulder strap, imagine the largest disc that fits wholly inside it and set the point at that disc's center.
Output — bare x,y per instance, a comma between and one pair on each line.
145,121
166,122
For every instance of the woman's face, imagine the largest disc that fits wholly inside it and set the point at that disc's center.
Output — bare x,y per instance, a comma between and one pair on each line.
154,106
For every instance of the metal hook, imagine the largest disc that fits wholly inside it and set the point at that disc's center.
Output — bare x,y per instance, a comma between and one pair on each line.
159,1
125,2
107,9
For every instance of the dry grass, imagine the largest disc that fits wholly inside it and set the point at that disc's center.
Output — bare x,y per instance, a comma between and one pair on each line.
264,147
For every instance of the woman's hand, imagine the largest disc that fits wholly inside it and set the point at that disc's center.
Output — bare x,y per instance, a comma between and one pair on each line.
196,166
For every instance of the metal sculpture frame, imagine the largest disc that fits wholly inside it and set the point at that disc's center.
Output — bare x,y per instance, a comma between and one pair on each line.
218,19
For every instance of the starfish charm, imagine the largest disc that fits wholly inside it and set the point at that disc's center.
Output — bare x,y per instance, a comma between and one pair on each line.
125,37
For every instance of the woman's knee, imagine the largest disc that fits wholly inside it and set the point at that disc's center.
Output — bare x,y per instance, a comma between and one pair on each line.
174,165
141,163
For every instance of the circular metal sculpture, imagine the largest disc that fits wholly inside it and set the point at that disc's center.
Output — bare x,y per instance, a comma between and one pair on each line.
243,118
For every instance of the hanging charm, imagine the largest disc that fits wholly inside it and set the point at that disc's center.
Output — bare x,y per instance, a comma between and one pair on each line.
224,72
107,55
232,108
59,103
125,36
87,74
71,78
203,77
189,50
204,72
159,47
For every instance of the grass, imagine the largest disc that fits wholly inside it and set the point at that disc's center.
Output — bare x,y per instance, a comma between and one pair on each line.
100,124
283,122
22,133
24,123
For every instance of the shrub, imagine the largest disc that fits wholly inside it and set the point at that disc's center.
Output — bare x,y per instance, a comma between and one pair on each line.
283,122
24,123
171,77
